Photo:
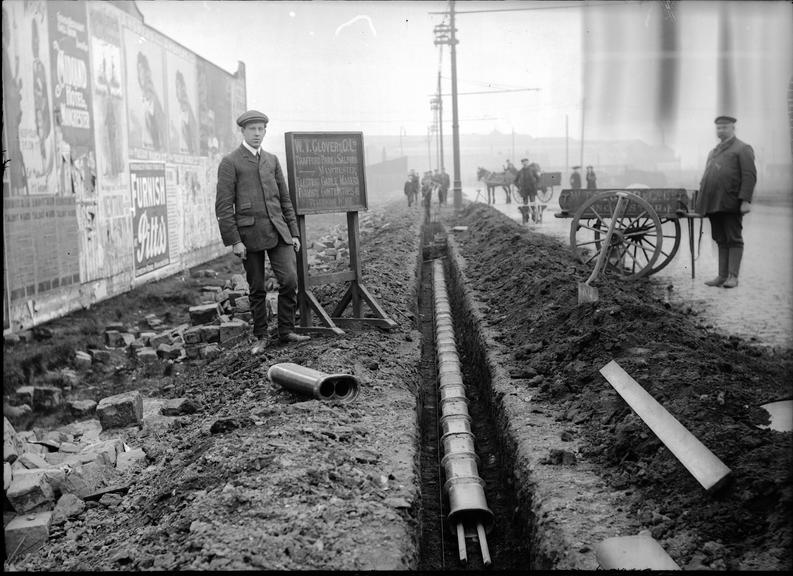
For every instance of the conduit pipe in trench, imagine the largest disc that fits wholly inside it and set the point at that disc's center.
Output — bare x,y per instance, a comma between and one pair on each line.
469,515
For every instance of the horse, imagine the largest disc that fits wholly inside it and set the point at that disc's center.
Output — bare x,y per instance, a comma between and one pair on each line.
493,179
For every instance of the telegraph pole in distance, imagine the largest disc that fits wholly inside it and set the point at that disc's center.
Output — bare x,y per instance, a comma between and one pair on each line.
457,185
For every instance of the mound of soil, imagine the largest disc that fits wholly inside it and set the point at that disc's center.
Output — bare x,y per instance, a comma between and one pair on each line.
713,384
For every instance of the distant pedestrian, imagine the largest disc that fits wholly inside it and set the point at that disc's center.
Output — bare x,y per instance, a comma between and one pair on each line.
725,195
575,178
445,183
591,179
409,191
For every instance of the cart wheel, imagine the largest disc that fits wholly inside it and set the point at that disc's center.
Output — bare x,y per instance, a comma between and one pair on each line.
636,242
545,196
671,230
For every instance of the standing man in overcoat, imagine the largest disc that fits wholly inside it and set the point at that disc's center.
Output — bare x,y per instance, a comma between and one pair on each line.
575,178
725,195
256,217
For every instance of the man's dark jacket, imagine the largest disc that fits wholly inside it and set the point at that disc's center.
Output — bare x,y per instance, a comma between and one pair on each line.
730,176
526,180
252,203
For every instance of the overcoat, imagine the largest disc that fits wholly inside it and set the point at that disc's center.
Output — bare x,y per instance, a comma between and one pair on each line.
252,203
730,176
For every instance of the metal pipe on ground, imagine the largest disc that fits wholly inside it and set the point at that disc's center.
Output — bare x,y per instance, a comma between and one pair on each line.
469,515
296,378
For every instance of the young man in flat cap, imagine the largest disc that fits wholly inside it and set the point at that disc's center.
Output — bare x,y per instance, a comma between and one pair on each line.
725,195
256,216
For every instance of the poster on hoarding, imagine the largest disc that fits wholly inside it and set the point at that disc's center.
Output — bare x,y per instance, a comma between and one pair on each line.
108,100
74,139
27,99
182,105
214,110
148,130
149,216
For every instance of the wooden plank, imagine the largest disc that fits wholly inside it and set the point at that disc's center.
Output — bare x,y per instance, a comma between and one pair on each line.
350,322
353,237
343,303
705,466
317,307
302,273
374,304
331,278
641,552
319,330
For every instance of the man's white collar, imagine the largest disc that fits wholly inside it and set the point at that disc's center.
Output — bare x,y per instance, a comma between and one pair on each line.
251,149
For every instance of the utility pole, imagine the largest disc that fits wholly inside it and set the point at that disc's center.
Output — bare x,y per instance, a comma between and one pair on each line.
457,186
583,108
566,145
447,34
440,121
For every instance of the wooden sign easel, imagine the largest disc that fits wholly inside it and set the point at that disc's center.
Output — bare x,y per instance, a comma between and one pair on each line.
326,175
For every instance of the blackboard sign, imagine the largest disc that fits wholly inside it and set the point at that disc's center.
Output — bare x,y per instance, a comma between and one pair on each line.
326,171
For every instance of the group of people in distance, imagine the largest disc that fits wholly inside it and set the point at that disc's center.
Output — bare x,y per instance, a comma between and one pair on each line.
431,181
591,178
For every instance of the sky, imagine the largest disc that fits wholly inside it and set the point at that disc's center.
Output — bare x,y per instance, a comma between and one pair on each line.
372,66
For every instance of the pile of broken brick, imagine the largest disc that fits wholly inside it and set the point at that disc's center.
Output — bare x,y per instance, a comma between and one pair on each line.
222,318
50,477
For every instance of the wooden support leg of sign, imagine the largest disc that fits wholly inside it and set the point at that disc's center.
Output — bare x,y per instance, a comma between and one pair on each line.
307,302
357,292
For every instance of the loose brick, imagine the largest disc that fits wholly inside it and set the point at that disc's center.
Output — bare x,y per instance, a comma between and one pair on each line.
68,506
8,475
120,410
164,351
24,395
84,480
210,333
130,460
105,452
82,408
111,338
29,492
147,336
243,304
27,533
101,356
193,335
12,446
232,332
147,355
47,397
82,360
193,351
204,313
162,338
39,449
210,351
32,461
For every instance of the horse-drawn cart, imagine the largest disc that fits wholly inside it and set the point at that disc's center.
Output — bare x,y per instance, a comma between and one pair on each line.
646,234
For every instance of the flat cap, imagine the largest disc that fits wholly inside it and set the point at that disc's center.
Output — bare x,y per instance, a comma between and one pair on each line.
252,116
576,167
524,159
725,120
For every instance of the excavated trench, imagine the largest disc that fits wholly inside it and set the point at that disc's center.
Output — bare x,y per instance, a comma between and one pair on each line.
509,539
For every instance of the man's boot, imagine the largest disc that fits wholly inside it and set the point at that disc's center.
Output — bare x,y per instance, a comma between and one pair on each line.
736,254
724,263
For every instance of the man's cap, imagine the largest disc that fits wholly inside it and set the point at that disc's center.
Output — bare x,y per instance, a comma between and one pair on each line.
725,120
252,116
576,167
590,166
524,159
